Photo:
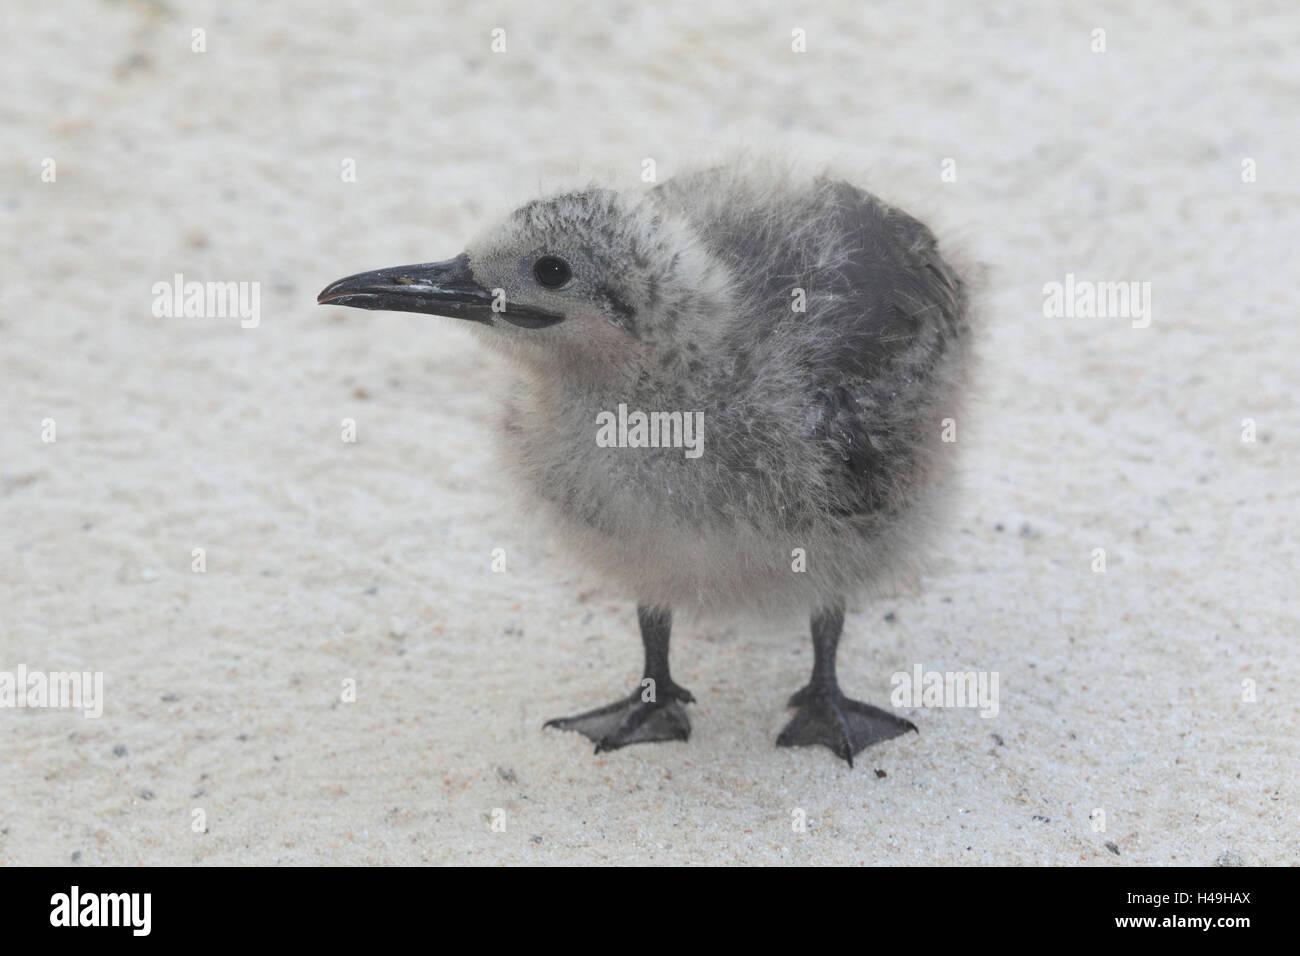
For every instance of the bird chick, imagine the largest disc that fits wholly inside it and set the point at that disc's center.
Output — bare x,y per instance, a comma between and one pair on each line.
732,393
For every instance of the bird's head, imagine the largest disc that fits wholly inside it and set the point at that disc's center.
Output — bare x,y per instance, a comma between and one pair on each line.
587,279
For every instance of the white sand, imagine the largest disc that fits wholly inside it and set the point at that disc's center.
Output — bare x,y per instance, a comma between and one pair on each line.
370,561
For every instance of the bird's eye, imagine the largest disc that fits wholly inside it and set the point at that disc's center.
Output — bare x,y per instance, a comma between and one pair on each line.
552,272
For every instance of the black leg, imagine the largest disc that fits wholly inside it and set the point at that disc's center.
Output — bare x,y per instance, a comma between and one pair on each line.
656,626
825,715
654,711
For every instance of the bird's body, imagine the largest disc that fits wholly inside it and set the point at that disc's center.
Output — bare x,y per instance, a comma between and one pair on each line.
823,370
811,332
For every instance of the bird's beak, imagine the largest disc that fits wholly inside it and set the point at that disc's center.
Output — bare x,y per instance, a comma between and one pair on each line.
437,288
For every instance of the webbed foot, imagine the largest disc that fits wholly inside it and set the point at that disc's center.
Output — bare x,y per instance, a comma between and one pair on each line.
635,719
844,725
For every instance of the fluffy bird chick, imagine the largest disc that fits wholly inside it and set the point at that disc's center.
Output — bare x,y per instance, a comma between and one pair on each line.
805,340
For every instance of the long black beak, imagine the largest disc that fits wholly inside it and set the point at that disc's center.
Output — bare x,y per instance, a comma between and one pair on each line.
436,288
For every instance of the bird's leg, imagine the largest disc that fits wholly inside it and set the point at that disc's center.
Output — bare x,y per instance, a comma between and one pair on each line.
825,715
654,711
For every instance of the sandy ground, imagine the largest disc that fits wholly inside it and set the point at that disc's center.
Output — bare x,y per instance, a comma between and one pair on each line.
329,562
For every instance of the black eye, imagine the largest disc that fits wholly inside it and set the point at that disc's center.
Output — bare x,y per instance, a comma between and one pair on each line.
552,272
